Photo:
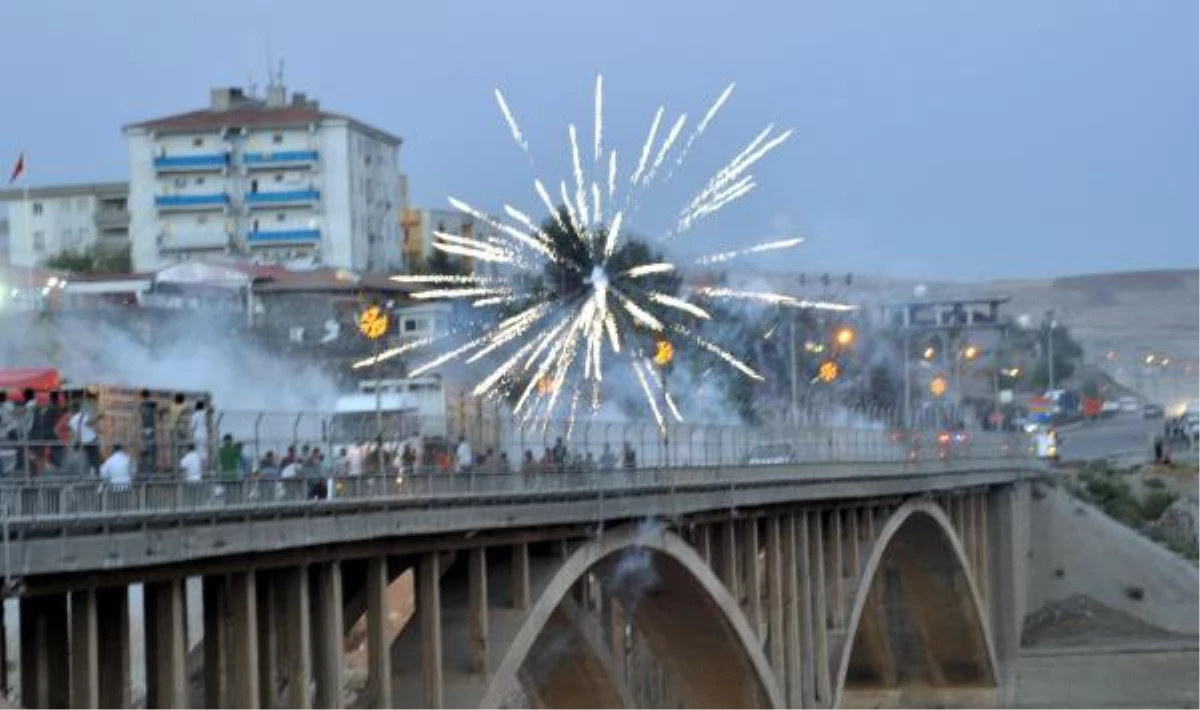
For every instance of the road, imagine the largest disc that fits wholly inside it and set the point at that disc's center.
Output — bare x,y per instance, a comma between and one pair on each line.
1126,433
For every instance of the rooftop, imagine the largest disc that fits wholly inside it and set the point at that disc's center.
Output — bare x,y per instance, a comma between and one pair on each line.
231,107
99,189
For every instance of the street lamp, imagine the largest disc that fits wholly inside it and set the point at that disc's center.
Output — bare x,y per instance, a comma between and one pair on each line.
844,337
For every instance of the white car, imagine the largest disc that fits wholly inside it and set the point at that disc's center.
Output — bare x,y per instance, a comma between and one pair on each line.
1129,404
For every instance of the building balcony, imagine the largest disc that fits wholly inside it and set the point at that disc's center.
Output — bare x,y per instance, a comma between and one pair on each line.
194,241
191,203
279,159
282,198
273,237
208,162
109,217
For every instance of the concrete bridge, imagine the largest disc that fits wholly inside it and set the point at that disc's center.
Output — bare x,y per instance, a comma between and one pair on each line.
892,583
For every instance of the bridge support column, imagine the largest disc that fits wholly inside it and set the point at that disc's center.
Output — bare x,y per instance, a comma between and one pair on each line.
112,617
807,650
820,611
243,603
791,623
166,645
752,580
45,655
216,641
295,639
838,569
520,576
327,635
85,664
379,656
477,588
728,563
429,613
266,584
1008,527
775,596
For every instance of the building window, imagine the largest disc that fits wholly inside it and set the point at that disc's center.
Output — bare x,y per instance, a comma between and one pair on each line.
197,142
180,182
279,217
277,138
202,219
39,240
37,209
279,178
410,326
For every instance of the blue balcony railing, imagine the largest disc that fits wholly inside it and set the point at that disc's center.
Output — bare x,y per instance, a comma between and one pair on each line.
278,157
291,236
211,161
282,197
210,200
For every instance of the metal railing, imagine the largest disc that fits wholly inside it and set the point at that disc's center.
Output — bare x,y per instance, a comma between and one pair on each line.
265,443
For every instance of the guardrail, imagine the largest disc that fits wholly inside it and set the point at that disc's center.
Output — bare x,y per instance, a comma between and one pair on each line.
81,501
265,442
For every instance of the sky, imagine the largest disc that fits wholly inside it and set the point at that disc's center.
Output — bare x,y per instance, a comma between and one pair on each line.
945,139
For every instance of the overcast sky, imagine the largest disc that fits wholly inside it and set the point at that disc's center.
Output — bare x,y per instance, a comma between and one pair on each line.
933,139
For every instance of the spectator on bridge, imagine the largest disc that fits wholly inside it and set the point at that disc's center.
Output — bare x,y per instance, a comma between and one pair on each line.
117,469
230,457
629,458
462,456
547,462
180,421
148,414
408,460
504,467
268,467
192,465
528,465
199,425
608,459
559,454
83,432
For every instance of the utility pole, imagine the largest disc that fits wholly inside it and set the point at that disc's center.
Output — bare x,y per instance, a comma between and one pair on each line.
795,384
1050,349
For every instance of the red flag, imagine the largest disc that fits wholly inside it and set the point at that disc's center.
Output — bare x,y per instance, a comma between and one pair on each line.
18,169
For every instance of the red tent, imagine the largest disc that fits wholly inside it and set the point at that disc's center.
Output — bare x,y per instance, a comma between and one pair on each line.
16,380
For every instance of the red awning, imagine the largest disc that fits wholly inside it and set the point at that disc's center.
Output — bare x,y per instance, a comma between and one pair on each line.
41,379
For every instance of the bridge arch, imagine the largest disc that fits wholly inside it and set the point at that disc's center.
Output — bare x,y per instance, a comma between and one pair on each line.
917,630
687,616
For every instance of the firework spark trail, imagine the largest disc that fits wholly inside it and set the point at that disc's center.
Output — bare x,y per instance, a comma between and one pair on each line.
573,222
708,117
580,194
447,357
672,135
731,172
610,324
512,123
441,279
597,206
641,166
649,396
720,352
392,352
549,204
527,239
612,174
459,293
679,304
671,405
756,249
610,244
639,313
517,326
488,383
495,301
473,253
776,299
599,119
740,189
647,269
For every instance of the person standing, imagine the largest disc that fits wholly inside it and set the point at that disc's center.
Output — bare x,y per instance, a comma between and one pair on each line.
199,432
117,469
148,414
462,457
192,465
83,432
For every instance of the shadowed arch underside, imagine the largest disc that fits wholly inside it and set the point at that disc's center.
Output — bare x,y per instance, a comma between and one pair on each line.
679,607
917,629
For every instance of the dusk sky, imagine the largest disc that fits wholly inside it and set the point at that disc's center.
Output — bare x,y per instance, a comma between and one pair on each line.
932,139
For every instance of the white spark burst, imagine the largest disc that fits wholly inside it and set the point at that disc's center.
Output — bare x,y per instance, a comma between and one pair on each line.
570,297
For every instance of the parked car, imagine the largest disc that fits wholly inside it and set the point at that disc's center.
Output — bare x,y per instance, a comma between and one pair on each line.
1128,404
1152,411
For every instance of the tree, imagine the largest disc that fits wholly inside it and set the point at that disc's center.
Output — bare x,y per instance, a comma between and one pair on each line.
90,261
438,263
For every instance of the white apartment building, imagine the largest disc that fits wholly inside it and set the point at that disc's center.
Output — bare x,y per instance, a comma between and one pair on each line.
45,221
272,179
421,223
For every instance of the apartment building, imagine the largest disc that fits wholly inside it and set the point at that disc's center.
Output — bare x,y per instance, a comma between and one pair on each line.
42,222
274,179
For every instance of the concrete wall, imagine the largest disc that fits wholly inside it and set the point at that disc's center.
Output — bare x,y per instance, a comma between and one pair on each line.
1102,558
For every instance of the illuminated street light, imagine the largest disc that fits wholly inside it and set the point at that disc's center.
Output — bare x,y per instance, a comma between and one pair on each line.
938,386
930,353
844,337
971,352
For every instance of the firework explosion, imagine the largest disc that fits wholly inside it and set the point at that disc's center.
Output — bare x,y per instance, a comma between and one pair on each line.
576,293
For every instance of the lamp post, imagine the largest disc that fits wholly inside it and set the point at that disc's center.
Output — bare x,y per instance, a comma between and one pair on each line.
1050,324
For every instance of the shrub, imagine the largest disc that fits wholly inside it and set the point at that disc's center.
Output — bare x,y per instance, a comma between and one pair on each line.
1156,503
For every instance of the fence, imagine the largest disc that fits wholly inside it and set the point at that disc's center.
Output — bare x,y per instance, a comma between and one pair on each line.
320,443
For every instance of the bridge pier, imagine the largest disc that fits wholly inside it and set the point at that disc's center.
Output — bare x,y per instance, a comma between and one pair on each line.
327,636
295,637
166,644
112,617
379,656
45,669
85,650
429,613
